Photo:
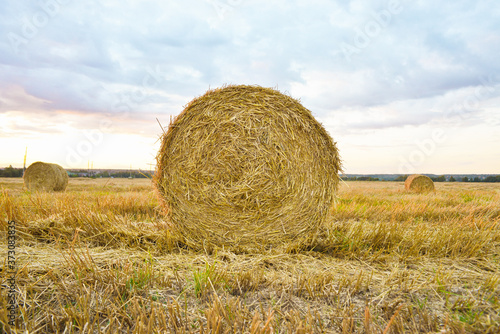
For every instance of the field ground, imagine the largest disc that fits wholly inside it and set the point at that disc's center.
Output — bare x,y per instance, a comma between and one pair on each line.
100,258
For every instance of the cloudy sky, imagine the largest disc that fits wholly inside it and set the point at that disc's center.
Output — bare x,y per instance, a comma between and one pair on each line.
402,86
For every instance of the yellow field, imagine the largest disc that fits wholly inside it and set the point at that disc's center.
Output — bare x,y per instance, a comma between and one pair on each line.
101,258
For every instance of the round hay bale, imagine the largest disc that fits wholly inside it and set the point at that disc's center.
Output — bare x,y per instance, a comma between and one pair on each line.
419,183
246,165
42,176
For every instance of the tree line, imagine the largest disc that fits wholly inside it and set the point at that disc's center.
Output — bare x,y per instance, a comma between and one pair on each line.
18,172
443,178
116,174
11,172
361,178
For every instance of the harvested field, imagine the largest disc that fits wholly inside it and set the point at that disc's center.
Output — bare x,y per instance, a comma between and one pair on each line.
100,257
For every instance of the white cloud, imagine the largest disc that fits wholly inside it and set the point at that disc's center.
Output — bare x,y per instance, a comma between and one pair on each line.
135,61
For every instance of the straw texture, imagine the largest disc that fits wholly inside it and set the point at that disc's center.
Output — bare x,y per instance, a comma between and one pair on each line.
419,183
246,165
41,176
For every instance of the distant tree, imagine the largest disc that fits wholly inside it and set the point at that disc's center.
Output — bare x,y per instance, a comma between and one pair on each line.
440,178
452,179
495,178
353,178
476,179
401,178
367,178
11,172
465,179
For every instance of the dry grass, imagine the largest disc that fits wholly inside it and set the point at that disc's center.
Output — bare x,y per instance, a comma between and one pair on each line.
247,166
100,258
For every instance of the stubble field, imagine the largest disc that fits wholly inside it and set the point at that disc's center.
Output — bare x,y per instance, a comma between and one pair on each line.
100,258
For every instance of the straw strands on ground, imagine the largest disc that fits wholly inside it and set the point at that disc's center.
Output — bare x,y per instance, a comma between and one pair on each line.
100,258
419,183
246,165
42,176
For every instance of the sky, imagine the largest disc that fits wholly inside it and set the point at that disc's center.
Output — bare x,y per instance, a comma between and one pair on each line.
401,86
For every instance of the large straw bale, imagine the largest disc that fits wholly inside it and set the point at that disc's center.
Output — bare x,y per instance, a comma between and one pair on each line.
42,176
419,183
246,165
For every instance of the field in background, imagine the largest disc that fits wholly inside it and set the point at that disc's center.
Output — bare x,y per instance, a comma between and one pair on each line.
100,258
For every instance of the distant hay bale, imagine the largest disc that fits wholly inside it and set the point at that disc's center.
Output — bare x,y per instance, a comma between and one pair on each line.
419,183
42,176
246,165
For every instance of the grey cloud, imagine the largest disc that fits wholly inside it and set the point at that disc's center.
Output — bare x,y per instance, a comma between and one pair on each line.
91,55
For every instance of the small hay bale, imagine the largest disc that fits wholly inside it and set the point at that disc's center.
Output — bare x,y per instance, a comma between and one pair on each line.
419,183
246,165
42,176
